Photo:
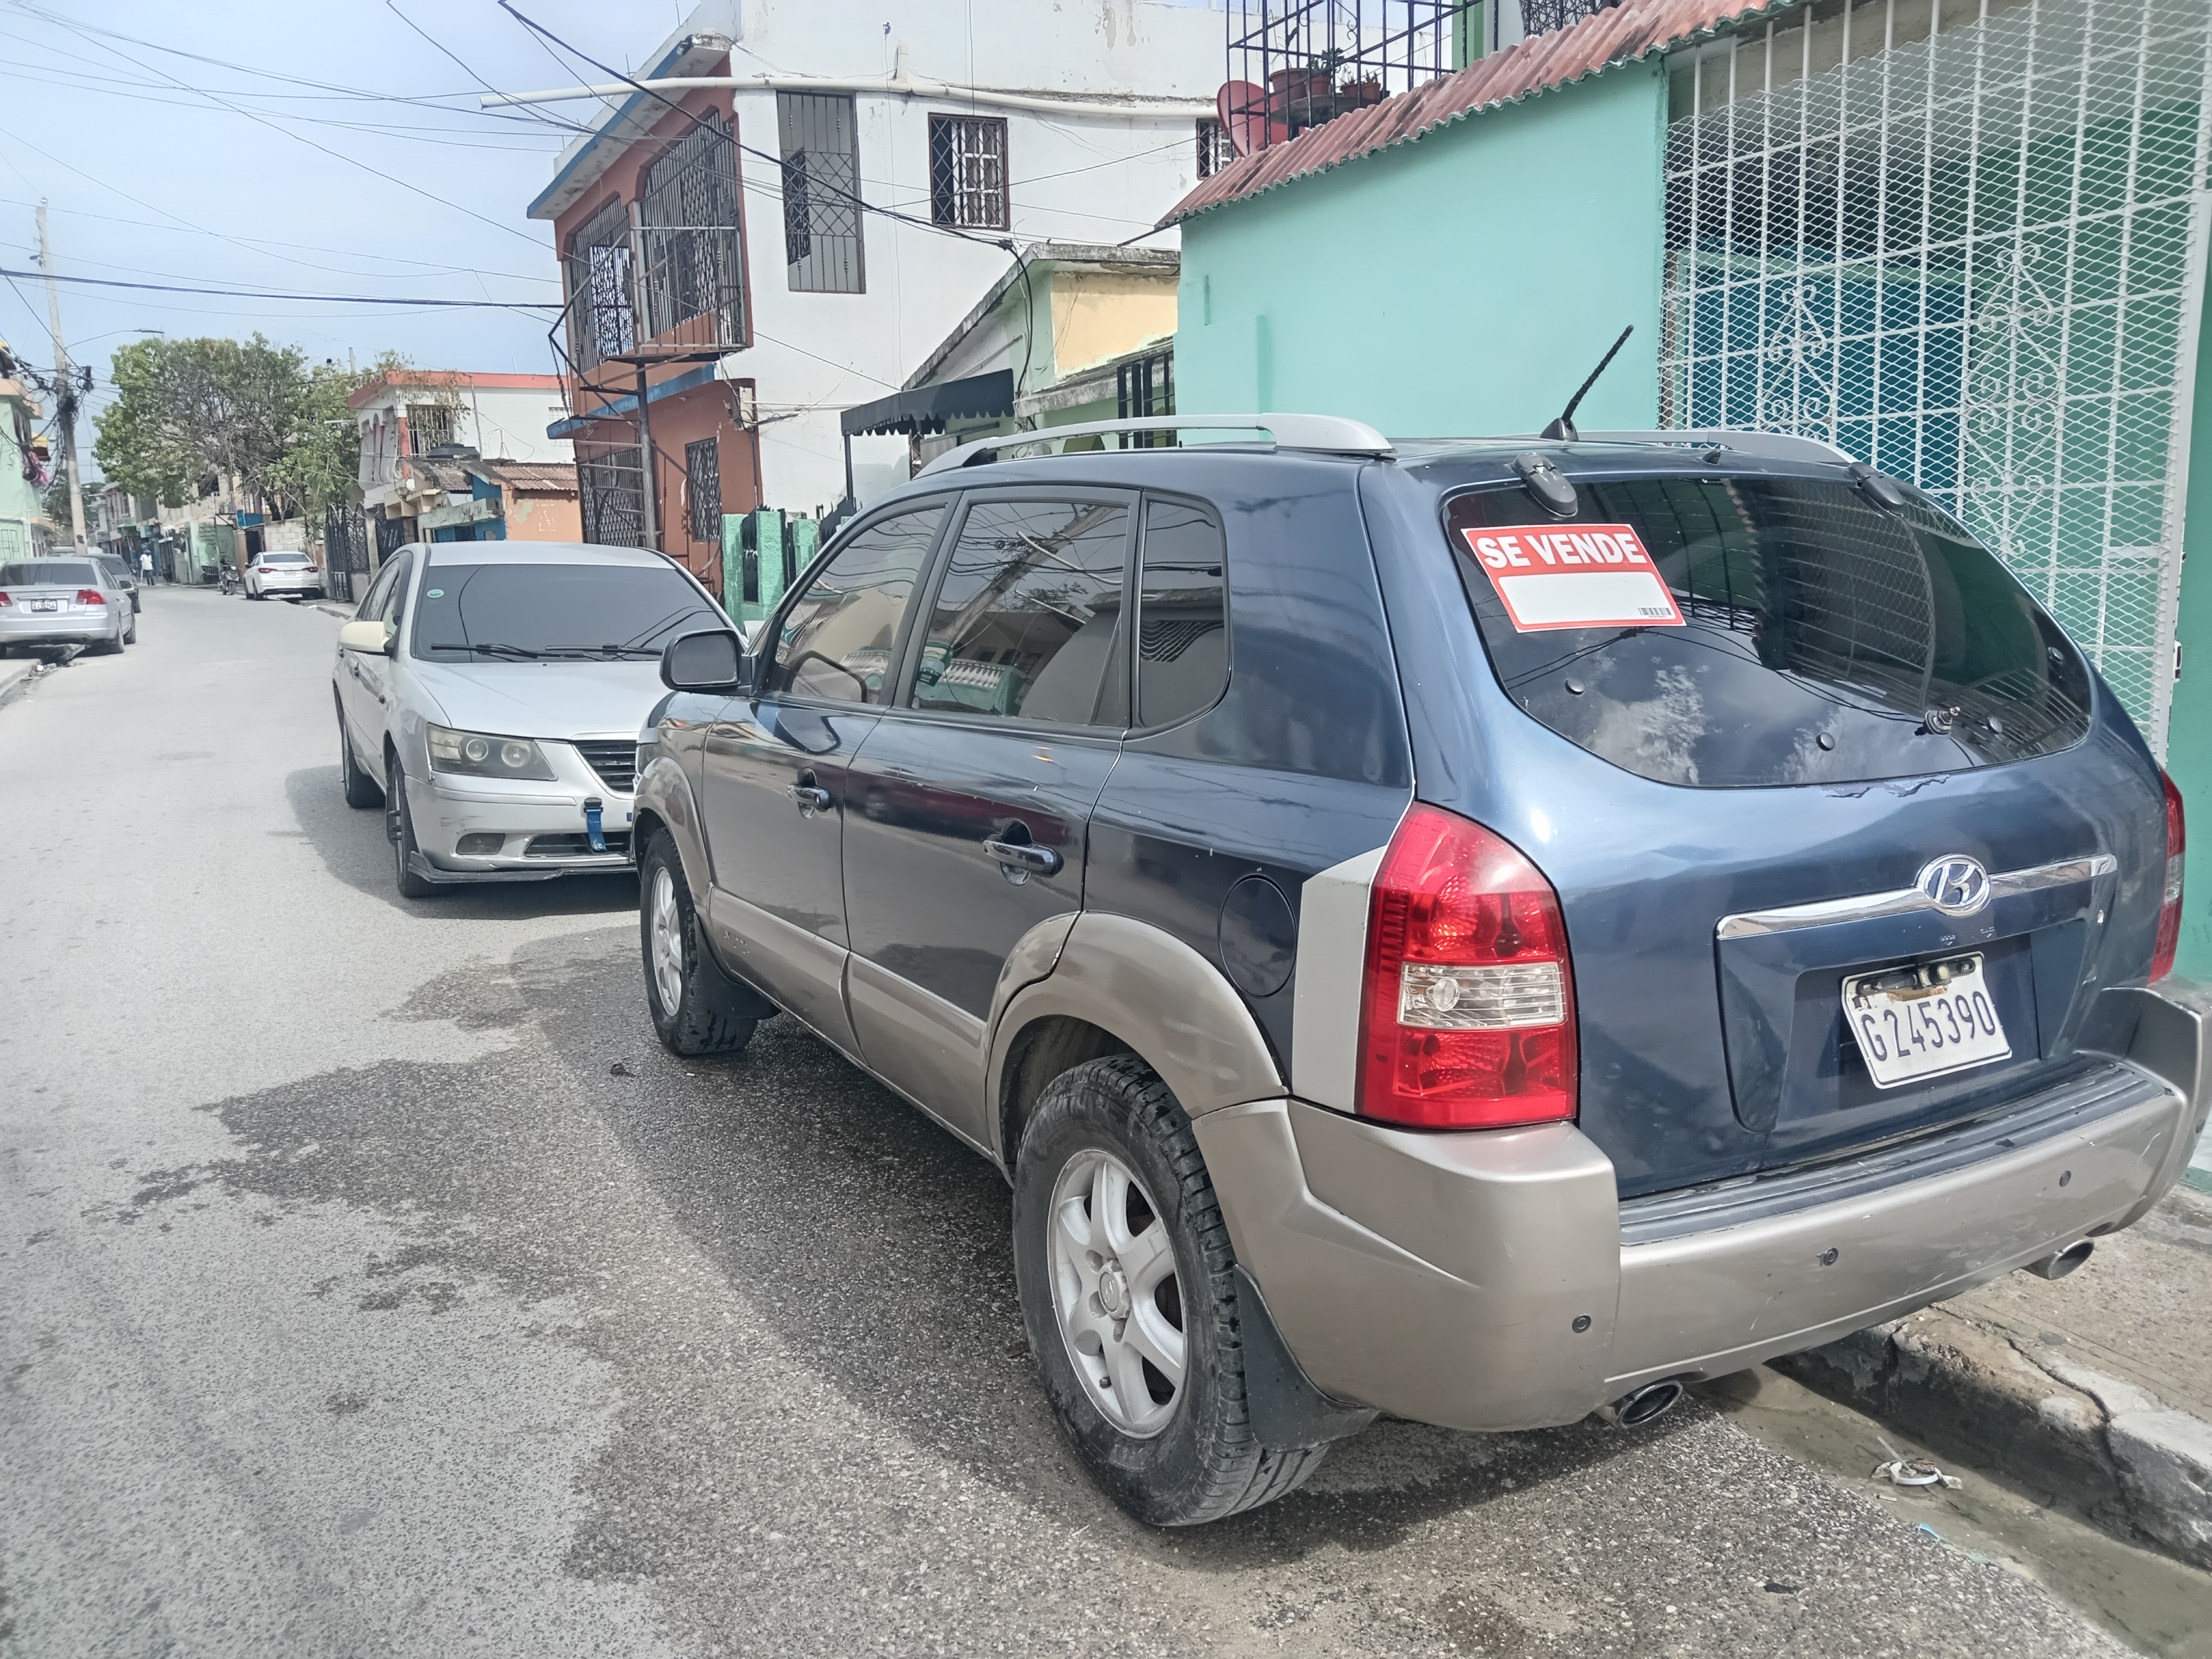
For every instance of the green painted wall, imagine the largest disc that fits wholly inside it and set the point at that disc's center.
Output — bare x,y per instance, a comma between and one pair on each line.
2189,731
1462,283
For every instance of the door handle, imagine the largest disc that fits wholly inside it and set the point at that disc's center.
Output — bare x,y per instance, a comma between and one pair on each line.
810,799
1025,856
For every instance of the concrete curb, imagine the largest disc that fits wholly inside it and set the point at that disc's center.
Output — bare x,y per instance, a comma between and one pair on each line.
2135,1467
15,679
330,608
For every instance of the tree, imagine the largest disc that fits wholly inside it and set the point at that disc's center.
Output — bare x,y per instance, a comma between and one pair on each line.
184,409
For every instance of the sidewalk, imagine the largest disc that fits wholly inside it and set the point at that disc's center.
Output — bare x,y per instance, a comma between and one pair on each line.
2095,1389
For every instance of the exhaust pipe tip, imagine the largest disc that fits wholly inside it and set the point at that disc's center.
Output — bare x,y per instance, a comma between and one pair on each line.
2059,1263
1640,1406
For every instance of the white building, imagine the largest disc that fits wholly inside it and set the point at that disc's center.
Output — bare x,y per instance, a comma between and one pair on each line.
403,418
890,163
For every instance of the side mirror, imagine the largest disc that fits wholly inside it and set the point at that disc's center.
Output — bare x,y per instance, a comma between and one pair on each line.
362,637
712,661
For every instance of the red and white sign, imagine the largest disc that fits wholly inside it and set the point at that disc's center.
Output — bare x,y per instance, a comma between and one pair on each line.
1584,575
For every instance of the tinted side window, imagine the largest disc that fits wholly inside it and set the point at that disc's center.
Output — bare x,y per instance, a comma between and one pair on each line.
372,603
835,640
1029,611
395,597
1183,618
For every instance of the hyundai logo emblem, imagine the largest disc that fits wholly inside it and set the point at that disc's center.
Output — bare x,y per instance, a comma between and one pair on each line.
1956,885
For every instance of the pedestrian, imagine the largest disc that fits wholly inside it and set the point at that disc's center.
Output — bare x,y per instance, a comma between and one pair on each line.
145,569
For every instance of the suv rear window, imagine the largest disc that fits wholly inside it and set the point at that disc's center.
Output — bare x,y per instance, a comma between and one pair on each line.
1822,638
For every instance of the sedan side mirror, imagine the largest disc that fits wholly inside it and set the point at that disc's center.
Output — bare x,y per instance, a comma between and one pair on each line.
366,636
712,661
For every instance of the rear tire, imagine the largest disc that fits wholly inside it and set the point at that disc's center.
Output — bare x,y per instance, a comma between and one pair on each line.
689,998
1110,1131
400,827
360,789
131,635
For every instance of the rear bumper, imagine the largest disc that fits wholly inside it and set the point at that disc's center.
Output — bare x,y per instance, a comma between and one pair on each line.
1441,1277
56,629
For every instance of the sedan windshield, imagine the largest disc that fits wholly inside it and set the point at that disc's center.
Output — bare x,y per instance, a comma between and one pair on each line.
577,612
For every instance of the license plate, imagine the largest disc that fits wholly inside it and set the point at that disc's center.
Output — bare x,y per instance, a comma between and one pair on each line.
1920,1021
46,605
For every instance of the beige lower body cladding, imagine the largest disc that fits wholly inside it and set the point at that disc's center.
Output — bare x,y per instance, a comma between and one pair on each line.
1479,1280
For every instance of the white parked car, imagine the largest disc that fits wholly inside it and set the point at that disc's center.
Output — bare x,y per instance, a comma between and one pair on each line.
287,576
490,695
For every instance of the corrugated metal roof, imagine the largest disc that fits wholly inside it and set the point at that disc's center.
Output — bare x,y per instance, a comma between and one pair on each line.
1620,35
530,478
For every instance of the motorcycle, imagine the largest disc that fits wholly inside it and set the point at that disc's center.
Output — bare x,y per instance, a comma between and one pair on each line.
230,583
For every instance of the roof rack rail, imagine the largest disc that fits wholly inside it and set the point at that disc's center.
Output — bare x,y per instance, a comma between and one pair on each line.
1328,434
1774,445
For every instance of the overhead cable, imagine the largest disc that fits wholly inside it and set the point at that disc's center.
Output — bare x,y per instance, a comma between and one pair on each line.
316,299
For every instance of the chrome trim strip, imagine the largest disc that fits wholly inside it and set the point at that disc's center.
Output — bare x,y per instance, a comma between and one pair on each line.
1904,901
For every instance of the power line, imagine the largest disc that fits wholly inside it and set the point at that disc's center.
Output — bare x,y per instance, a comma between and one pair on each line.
253,244
300,139
316,299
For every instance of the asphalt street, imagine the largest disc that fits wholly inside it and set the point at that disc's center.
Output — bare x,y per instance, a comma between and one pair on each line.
370,1283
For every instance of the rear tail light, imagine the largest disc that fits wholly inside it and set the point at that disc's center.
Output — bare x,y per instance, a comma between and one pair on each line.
1468,1015
2169,909
90,596
5,602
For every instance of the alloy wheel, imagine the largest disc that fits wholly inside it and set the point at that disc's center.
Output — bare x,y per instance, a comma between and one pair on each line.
1116,1292
667,942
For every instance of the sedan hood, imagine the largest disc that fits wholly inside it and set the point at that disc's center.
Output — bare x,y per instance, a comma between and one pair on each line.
558,700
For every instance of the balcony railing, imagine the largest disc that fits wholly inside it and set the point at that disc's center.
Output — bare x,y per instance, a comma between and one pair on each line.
1294,64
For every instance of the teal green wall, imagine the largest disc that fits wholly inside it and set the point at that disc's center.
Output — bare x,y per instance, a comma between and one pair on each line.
1462,284
2189,729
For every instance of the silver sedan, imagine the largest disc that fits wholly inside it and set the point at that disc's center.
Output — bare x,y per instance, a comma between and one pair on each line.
59,601
490,695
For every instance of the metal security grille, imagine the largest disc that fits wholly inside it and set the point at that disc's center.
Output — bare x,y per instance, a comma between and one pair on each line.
687,235
702,476
600,323
611,485
1964,240
968,171
345,550
821,191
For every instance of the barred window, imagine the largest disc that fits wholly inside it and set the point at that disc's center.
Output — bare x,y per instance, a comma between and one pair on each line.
816,134
600,325
1213,151
702,472
429,425
687,215
968,171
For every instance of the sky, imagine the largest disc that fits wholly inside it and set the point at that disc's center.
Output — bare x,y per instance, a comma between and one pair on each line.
385,179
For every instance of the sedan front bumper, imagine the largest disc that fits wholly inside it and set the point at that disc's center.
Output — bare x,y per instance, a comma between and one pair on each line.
541,827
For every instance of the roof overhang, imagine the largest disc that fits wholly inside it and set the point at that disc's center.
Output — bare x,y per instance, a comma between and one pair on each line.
927,409
584,161
1623,34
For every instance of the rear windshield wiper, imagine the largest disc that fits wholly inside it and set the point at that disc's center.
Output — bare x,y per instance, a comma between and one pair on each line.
492,649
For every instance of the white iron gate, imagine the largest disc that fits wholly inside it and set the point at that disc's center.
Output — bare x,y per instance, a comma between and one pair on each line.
1964,240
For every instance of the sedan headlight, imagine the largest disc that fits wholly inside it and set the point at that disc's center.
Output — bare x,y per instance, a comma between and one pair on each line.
481,754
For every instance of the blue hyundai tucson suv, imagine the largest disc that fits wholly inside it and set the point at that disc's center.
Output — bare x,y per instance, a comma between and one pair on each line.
1484,930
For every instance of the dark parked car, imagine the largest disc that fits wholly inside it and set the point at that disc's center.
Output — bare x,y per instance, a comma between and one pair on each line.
125,575
1483,931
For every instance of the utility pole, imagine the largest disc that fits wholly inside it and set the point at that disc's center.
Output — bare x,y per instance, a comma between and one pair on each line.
65,390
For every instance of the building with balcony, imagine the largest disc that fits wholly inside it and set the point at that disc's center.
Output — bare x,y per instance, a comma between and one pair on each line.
800,202
417,426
